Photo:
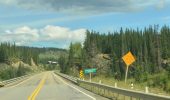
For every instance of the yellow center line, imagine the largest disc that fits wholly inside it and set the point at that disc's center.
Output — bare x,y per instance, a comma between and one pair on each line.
37,90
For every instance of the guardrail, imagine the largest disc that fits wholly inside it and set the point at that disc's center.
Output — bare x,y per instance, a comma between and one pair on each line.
6,82
114,92
70,78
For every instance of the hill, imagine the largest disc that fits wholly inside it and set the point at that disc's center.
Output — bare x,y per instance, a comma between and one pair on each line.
20,60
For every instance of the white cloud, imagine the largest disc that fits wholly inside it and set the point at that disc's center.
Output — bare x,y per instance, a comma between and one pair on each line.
61,33
167,18
161,4
22,35
26,35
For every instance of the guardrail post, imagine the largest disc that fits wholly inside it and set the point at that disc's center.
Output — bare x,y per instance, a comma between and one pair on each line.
90,77
115,85
100,81
146,90
131,85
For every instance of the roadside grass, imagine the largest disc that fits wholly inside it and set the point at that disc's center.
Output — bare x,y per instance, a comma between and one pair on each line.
121,84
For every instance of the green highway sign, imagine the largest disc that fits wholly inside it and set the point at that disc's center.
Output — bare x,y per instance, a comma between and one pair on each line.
92,70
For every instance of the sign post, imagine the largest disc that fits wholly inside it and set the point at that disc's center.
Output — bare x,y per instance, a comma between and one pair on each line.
90,71
90,77
128,59
127,67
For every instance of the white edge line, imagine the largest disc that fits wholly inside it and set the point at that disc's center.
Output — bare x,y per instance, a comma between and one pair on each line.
75,87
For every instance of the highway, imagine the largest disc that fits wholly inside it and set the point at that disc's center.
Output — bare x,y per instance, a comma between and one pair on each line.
46,86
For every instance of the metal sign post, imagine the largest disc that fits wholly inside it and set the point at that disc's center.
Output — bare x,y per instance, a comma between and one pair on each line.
127,67
90,77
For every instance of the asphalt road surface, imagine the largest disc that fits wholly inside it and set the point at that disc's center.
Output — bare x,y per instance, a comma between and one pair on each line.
46,86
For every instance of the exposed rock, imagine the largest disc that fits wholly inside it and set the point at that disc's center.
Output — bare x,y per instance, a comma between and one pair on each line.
102,63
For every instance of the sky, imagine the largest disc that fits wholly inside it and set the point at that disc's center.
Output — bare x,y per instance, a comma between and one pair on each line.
57,23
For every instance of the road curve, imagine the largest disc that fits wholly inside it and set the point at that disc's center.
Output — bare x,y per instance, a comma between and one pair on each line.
46,86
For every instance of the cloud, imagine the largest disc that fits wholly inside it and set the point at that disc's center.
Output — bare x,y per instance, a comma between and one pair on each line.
62,33
49,34
167,18
86,6
161,4
22,35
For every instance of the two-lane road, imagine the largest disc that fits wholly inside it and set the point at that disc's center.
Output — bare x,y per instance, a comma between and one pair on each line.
46,86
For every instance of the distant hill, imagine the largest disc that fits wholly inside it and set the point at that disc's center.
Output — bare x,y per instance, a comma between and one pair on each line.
20,60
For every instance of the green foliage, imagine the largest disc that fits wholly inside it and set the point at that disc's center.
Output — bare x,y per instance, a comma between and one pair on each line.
23,70
140,75
168,70
11,53
63,64
8,73
75,54
50,55
160,80
12,72
150,46
167,86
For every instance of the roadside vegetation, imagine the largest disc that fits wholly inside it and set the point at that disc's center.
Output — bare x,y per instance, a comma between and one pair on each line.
16,61
150,46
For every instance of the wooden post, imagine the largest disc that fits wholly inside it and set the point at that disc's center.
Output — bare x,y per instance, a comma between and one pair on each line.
90,77
115,85
127,67
146,90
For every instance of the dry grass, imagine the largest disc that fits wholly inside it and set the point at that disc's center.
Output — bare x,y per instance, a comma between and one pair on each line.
137,86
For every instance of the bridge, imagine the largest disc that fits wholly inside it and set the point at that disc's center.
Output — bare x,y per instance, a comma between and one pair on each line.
52,85
45,86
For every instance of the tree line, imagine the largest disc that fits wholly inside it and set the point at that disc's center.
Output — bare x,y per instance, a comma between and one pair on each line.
11,53
150,46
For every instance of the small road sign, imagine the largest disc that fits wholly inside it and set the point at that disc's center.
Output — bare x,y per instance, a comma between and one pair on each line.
92,70
81,74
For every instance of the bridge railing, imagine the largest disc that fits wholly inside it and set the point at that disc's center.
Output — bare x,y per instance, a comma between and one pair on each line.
70,78
113,92
7,82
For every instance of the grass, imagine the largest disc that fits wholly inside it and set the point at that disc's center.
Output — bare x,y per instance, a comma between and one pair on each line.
137,86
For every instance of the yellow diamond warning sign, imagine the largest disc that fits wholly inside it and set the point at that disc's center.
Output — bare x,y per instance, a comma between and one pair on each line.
128,58
81,74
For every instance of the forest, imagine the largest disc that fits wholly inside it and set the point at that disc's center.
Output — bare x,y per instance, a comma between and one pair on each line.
150,46
29,59
10,53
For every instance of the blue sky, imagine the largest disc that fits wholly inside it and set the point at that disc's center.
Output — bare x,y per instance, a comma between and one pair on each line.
56,23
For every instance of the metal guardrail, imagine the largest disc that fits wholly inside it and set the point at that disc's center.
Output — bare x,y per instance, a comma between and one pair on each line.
125,92
70,78
6,82
114,92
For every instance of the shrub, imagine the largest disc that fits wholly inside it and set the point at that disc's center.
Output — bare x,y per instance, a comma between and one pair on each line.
167,86
8,73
